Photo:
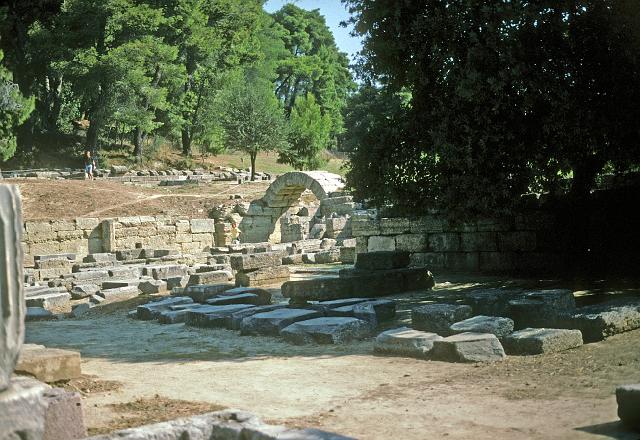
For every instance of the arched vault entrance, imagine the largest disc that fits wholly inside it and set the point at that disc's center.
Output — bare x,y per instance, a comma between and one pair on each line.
261,222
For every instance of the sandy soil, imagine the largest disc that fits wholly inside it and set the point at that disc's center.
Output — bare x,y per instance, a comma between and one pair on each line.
67,199
346,388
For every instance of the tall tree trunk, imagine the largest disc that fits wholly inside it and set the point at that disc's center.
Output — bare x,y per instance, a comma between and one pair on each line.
253,155
186,142
138,139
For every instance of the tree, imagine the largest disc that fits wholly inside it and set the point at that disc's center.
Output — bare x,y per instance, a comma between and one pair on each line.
309,132
505,97
14,110
253,120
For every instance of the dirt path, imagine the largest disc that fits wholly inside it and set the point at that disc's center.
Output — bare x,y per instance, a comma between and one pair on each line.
346,389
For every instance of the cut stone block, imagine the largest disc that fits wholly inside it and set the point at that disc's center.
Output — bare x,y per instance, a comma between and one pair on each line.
201,293
153,309
49,300
292,259
64,419
81,291
317,289
177,282
22,409
265,295
326,306
541,340
99,258
601,322
332,330
167,271
372,312
213,316
149,287
628,398
48,364
263,277
309,258
438,318
270,323
241,298
382,260
114,284
255,261
234,321
178,315
541,308
215,276
96,299
496,325
405,341
119,292
328,256
78,310
492,302
468,347
38,314
91,275
124,272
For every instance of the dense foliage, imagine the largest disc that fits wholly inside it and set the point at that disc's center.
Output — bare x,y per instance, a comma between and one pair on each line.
506,97
138,69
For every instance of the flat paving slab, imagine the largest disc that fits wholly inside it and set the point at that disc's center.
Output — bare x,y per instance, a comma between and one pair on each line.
270,323
497,325
326,330
405,341
48,364
542,340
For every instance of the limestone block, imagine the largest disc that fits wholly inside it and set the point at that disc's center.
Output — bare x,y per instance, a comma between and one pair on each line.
600,322
199,226
379,243
364,226
81,291
468,347
213,316
22,409
492,302
542,340
240,298
61,262
164,272
462,261
432,260
215,276
292,259
444,242
234,320
322,288
373,312
119,293
103,257
74,234
499,326
438,318
62,225
478,241
327,243
255,261
411,242
87,223
37,227
328,256
48,364
270,323
183,226
263,295
153,309
64,419
201,293
382,260
262,277
426,224
405,341
628,399
49,301
348,255
331,330
149,287
395,226
541,308
362,245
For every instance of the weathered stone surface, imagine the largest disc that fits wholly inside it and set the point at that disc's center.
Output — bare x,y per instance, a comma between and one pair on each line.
114,284
372,312
38,314
99,258
331,330
263,277
628,398
215,276
80,291
49,300
78,310
541,308
22,409
382,260
177,282
541,340
234,321
323,288
328,256
438,318
129,254
405,341
213,316
119,292
496,325
48,364
178,314
348,254
492,302
292,259
599,322
12,306
166,271
64,419
468,347
153,309
201,293
91,275
380,243
325,306
60,262
255,261
309,258
149,287
270,323
264,295
241,298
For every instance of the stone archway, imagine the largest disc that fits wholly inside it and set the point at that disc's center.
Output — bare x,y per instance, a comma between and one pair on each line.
261,222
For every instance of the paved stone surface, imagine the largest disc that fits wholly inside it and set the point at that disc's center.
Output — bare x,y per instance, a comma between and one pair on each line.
270,323
541,340
468,347
628,398
331,330
48,364
438,318
22,409
64,419
541,308
405,341
382,260
496,325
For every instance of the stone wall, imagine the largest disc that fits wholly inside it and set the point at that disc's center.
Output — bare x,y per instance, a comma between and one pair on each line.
83,236
521,243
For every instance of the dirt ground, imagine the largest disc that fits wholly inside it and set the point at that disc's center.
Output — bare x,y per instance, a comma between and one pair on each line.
170,370
68,199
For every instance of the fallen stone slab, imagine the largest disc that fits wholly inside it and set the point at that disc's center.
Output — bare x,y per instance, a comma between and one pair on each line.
317,289
248,262
328,256
80,291
382,260
48,364
96,299
325,306
329,330
215,276
178,314
241,298
64,419
468,347
270,323
234,321
99,258
119,293
213,316
203,292
166,271
61,262
177,282
263,277
541,308
22,409
149,287
114,284
152,310
49,300
124,272
91,275
628,399
38,314
405,341
292,259
531,341
492,302
265,295
438,318
496,325
77,310
374,311
599,323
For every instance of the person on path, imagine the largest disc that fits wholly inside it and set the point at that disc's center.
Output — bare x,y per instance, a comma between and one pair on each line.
235,233
89,165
